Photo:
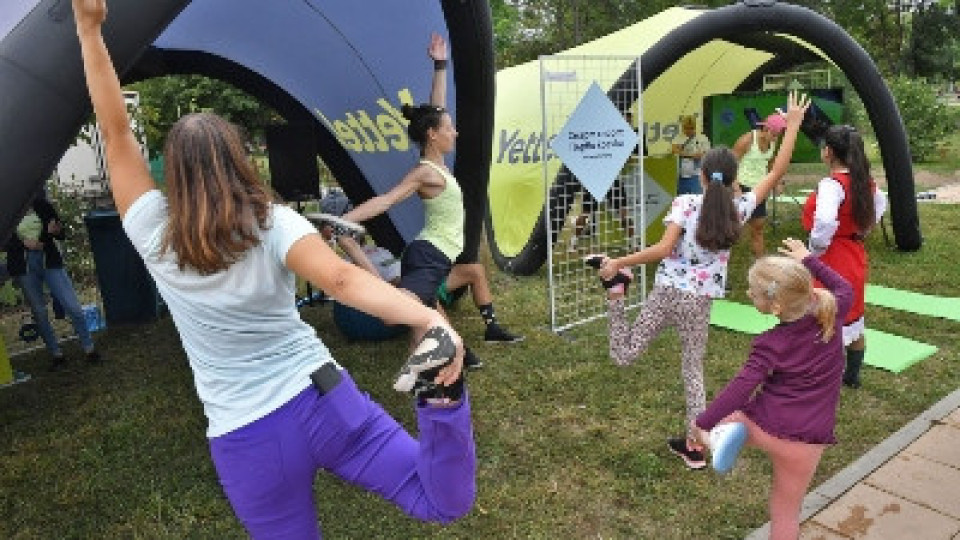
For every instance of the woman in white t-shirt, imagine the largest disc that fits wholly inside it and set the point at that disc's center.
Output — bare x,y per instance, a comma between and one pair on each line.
224,258
693,255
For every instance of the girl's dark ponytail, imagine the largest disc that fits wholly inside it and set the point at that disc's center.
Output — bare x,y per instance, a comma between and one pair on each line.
847,147
864,213
719,225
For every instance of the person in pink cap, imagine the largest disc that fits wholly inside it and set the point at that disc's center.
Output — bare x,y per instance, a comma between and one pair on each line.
755,151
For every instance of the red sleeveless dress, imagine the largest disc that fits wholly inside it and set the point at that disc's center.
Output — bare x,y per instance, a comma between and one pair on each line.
846,254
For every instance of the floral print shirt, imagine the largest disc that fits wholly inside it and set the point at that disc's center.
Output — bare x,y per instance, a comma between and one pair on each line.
690,267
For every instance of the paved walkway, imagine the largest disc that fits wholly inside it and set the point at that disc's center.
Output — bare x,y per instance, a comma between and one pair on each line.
905,488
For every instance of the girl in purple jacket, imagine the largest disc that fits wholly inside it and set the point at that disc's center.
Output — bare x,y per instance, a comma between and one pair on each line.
798,367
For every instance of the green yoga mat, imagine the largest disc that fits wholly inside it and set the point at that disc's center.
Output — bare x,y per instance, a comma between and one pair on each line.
885,351
914,302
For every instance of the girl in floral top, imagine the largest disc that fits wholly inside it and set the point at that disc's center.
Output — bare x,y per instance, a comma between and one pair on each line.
693,255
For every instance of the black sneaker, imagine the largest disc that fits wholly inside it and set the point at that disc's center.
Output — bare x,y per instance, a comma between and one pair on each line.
851,383
435,350
594,260
470,360
496,334
693,458
93,357
624,276
57,362
425,390
622,281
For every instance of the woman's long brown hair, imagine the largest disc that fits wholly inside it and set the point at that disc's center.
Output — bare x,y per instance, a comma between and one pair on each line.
217,204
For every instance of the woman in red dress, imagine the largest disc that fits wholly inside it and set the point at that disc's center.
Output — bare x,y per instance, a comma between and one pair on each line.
838,216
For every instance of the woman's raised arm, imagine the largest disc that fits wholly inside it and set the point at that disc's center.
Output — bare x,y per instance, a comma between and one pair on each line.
438,51
796,109
129,177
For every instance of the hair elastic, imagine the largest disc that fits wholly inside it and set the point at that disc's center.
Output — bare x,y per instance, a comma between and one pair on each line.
716,176
772,289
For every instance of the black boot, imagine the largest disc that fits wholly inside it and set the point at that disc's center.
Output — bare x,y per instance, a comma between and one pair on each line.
851,376
470,360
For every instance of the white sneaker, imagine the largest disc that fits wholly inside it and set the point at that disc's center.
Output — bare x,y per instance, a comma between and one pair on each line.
340,226
726,441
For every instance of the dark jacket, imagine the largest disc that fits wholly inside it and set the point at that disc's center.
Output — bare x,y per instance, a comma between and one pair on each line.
16,251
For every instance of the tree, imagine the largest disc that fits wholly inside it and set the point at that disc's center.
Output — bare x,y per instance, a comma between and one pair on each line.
164,100
934,43
927,121
535,27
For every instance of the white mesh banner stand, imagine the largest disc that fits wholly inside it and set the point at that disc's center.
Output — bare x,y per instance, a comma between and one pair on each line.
588,102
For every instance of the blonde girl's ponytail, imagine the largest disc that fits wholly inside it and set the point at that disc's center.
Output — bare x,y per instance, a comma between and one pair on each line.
825,311
787,282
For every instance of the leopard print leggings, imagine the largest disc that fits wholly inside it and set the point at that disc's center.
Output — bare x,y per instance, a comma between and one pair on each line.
666,306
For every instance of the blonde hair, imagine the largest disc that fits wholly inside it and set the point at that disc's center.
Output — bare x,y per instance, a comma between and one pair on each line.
788,283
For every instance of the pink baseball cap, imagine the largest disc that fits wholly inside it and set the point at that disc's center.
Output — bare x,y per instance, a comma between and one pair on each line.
775,123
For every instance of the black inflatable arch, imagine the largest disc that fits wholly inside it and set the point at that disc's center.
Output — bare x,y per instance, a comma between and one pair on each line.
819,31
751,24
45,99
157,62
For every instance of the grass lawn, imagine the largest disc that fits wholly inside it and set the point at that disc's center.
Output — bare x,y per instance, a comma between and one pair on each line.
569,445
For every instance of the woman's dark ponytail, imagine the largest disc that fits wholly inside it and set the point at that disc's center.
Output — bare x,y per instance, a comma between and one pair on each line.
422,118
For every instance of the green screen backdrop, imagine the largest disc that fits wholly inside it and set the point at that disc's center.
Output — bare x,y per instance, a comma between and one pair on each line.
727,117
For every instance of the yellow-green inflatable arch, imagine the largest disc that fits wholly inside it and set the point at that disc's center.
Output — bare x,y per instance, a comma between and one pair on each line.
685,55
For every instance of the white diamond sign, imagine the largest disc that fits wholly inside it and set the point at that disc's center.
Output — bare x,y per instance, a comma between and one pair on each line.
596,142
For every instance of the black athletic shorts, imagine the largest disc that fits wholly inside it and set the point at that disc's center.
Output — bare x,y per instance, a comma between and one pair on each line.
761,210
422,268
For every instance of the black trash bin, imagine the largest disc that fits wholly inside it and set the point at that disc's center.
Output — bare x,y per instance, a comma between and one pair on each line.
128,292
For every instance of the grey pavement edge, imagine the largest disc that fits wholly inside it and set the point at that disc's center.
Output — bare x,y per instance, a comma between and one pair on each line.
827,492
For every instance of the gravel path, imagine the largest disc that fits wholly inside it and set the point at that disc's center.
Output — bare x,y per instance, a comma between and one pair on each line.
946,185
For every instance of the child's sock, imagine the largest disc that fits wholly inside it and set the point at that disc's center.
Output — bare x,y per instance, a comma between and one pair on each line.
851,375
488,314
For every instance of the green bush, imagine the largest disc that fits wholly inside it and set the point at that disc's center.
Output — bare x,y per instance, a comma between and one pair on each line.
928,121
77,256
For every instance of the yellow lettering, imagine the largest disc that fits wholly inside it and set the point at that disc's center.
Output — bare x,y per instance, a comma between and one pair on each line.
353,123
362,131
393,131
368,124
346,135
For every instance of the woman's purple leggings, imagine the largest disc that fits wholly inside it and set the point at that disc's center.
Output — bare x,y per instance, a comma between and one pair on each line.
267,468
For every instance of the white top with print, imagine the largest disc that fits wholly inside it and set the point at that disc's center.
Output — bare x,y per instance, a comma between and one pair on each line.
690,267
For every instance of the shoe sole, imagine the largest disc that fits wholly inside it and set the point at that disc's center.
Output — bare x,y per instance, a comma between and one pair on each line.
335,221
515,340
693,465
726,441
435,349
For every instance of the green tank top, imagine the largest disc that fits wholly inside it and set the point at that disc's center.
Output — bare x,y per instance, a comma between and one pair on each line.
753,164
444,216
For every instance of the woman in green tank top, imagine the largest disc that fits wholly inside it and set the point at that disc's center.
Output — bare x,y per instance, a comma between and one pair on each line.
428,259
755,151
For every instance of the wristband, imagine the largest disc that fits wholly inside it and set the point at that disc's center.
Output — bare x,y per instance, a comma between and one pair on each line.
440,65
